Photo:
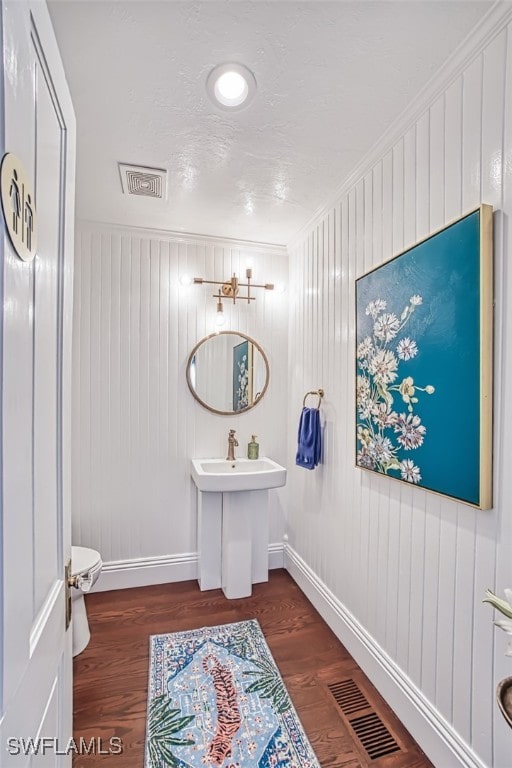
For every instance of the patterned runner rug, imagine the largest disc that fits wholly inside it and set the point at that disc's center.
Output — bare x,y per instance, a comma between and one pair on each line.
216,698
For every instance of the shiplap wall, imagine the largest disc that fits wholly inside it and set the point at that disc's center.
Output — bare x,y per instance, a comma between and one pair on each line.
135,423
409,566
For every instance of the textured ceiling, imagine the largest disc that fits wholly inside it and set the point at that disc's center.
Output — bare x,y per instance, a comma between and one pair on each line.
331,77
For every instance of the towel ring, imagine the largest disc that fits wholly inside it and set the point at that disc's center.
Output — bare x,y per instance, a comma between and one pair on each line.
319,392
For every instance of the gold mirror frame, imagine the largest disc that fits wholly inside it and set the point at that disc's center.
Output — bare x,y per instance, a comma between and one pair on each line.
260,350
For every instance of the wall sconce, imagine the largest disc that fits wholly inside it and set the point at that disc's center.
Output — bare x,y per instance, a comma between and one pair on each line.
230,289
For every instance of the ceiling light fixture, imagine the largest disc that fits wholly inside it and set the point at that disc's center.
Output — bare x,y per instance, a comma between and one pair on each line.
231,86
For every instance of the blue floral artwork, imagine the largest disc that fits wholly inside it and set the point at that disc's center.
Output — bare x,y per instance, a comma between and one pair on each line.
418,365
242,375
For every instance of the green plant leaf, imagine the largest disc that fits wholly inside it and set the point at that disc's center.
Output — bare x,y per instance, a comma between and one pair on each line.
498,603
282,701
241,646
154,755
263,664
166,739
164,722
268,684
159,704
167,755
167,733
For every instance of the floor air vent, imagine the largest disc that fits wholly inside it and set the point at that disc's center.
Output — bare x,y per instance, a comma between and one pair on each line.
348,696
374,736
147,182
360,715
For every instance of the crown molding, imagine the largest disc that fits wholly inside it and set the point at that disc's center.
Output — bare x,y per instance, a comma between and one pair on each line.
188,238
489,26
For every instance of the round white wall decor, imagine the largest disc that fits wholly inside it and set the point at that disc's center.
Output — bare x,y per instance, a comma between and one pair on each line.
18,206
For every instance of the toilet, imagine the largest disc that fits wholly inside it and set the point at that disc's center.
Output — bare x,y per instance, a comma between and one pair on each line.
86,566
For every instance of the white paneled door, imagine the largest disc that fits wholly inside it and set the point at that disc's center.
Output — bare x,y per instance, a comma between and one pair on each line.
36,297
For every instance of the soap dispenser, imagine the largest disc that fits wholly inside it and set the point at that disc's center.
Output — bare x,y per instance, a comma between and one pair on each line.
253,449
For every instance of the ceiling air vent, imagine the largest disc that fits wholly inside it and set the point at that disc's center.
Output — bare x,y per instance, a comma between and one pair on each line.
142,181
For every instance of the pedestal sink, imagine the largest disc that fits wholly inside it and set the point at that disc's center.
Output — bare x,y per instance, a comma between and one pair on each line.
238,475
232,530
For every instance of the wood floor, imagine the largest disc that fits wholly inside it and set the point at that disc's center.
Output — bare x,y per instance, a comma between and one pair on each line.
111,675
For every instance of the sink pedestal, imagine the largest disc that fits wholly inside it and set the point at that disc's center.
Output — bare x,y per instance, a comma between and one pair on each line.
209,539
232,524
232,541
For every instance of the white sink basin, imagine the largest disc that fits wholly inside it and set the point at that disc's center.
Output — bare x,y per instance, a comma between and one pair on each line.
239,475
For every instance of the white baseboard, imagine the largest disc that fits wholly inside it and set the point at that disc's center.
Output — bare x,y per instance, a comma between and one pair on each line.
166,569
145,571
440,742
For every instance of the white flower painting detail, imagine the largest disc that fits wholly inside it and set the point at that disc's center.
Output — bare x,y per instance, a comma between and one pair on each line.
374,308
406,349
242,392
382,366
409,471
388,424
386,327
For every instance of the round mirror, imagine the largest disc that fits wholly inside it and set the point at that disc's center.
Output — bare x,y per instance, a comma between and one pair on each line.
228,372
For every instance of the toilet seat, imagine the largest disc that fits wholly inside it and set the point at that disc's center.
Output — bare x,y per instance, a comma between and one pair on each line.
84,560
86,565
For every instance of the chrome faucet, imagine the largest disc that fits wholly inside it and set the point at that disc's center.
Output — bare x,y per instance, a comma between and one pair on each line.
232,442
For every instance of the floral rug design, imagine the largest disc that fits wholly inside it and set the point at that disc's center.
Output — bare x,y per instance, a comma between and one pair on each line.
216,698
